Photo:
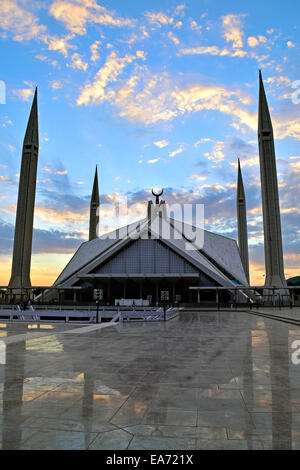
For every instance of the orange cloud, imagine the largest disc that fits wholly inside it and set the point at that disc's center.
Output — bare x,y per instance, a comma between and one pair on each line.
23,93
44,268
232,28
76,14
60,217
95,92
159,18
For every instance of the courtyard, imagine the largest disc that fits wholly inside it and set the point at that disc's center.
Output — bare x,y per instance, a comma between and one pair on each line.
203,380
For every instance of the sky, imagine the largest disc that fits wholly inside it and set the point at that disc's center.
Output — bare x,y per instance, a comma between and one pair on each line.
157,94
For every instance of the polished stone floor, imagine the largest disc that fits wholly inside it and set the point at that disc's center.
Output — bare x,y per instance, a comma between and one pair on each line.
215,380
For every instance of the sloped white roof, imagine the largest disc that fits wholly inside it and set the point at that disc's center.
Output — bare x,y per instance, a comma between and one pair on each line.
90,250
221,249
224,250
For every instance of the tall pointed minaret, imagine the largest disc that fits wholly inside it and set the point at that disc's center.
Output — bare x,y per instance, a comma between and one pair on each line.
242,222
20,274
270,199
94,212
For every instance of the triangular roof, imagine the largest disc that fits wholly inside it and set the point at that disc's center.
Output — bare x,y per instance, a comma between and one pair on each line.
240,192
32,129
264,118
219,256
95,193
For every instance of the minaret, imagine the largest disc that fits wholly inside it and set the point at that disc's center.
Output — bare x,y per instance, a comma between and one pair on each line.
94,211
242,222
270,199
20,275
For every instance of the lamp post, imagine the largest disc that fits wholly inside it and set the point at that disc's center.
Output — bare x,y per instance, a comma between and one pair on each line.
164,295
98,295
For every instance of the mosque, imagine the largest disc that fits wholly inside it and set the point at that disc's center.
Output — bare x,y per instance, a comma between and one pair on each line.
144,263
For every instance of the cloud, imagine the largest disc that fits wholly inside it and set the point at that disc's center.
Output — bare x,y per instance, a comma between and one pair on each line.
155,160
44,241
161,143
59,217
151,98
204,140
216,154
44,181
279,81
141,55
178,25
290,44
286,127
56,84
173,38
212,50
44,58
194,25
78,63
95,51
179,10
77,14
135,37
59,44
23,94
296,167
95,92
51,172
254,41
176,152
5,179
159,18
23,24
232,29
198,177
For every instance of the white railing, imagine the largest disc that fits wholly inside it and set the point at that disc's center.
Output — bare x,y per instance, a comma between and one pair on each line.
37,316
144,315
86,315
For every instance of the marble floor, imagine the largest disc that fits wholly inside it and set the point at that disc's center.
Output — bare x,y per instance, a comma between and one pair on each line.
215,380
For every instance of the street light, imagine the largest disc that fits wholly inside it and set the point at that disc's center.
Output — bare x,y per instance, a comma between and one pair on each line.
98,295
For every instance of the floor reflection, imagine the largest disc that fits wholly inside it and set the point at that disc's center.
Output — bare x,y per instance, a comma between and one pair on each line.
14,369
208,381
281,387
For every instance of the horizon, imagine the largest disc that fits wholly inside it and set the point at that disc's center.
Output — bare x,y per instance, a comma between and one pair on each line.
156,97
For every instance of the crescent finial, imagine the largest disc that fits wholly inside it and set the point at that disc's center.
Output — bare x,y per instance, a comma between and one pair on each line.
157,195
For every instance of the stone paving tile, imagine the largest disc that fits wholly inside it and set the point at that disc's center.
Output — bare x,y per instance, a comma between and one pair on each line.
227,418
172,397
207,380
169,416
13,438
50,424
131,413
226,444
177,431
59,440
111,440
161,443
101,414
281,444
